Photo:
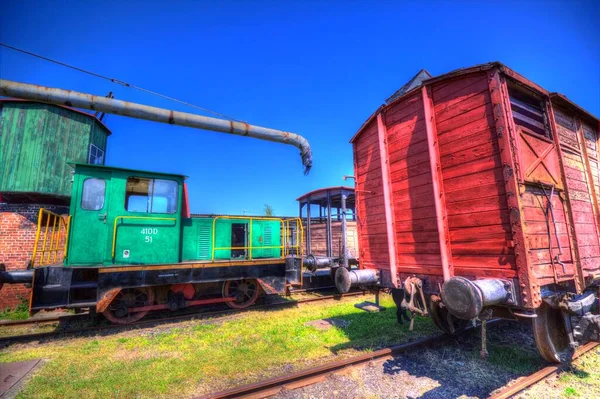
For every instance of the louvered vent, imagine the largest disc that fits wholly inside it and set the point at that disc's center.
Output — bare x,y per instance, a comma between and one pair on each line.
528,112
204,241
268,240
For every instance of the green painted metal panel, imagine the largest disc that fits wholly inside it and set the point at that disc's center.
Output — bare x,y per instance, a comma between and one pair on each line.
223,238
153,238
89,230
38,140
197,239
266,233
141,237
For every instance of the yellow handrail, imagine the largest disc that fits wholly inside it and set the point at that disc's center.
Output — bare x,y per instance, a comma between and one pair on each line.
285,224
37,235
60,224
67,238
114,240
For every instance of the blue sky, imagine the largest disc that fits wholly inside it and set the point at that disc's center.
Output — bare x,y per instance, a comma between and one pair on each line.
315,68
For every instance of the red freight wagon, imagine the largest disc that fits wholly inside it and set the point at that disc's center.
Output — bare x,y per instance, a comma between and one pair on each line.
478,191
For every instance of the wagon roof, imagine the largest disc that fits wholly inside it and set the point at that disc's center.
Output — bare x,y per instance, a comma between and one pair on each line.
415,82
318,192
465,71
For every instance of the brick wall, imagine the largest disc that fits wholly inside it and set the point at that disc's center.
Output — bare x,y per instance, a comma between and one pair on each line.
18,224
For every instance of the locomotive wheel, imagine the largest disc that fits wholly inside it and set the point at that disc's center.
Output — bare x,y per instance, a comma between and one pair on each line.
245,291
129,298
551,337
445,321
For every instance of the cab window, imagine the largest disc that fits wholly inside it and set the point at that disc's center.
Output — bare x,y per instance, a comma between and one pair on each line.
92,196
151,195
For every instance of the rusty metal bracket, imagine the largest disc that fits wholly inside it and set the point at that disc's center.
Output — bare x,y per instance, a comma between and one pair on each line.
411,302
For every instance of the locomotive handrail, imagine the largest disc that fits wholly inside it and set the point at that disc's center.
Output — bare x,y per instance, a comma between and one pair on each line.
299,233
283,224
115,225
55,247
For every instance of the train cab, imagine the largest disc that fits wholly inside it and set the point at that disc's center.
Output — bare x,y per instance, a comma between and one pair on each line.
124,217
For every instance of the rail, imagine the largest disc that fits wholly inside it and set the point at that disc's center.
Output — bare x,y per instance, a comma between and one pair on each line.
285,236
115,225
526,382
57,231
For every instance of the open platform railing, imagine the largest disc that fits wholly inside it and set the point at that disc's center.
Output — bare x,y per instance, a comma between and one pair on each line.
51,238
291,239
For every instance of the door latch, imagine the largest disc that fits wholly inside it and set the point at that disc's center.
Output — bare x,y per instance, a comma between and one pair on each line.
102,216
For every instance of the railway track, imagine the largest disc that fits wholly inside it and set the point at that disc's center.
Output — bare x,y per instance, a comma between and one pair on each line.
43,320
145,323
539,375
71,317
272,386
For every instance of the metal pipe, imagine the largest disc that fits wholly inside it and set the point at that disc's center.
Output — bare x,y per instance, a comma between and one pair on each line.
344,248
308,237
328,232
312,262
109,105
344,279
465,299
16,277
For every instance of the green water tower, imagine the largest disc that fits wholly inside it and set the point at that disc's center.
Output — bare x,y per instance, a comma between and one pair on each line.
37,141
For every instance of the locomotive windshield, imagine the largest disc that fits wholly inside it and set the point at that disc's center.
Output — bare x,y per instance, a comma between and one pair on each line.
151,195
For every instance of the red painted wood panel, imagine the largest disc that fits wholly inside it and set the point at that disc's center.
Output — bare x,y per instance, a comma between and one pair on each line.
481,112
476,126
404,110
456,88
473,181
407,132
476,191
410,171
369,196
477,233
471,168
417,244
491,203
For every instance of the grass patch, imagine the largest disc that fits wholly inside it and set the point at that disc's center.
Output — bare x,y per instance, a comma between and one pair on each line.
570,392
195,357
19,312
514,358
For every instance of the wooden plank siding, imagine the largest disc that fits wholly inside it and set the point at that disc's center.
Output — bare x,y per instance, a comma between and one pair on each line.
578,140
417,243
473,181
38,140
318,242
372,230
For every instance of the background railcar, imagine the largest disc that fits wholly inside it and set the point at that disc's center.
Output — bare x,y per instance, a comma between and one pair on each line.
480,189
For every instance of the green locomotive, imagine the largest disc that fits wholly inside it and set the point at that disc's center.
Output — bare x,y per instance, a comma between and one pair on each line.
130,245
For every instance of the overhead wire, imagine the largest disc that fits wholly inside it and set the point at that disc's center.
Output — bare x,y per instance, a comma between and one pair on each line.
118,81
